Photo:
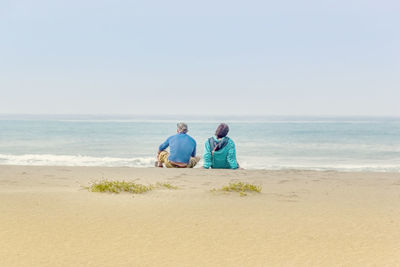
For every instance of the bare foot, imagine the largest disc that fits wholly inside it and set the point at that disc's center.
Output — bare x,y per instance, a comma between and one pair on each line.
158,164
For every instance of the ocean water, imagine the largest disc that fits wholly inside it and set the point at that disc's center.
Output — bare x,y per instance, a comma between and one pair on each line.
312,143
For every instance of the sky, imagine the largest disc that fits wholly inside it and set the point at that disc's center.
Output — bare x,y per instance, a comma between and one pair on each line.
200,57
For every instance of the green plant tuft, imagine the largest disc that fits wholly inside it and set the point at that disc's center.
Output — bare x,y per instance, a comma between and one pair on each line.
167,185
118,187
124,186
240,187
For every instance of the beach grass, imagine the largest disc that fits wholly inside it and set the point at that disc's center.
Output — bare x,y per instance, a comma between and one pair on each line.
166,185
108,186
239,187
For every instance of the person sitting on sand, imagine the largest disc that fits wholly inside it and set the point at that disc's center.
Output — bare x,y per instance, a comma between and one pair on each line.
220,152
182,149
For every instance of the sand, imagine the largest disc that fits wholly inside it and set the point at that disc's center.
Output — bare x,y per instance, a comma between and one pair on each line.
301,218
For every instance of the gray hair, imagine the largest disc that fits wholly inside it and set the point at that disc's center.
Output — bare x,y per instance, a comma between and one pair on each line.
182,127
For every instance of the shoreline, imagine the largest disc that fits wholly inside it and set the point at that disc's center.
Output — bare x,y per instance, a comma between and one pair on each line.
197,167
301,218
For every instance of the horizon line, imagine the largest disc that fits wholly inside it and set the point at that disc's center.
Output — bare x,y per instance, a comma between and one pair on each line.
200,115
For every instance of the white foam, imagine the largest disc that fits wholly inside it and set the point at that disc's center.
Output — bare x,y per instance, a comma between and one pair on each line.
68,160
245,162
349,165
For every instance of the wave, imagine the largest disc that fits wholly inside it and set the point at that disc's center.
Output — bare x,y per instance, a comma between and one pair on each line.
68,160
316,147
326,167
320,164
143,162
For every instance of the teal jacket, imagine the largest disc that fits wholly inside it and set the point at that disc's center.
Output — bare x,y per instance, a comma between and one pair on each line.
224,158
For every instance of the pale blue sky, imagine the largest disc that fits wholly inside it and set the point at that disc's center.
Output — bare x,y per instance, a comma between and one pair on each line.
203,57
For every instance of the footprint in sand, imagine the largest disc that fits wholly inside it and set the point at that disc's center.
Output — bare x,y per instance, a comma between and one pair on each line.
291,197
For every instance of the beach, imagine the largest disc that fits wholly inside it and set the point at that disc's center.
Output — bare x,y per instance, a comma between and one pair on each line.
300,218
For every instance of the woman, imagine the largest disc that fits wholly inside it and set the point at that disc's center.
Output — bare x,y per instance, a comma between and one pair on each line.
220,152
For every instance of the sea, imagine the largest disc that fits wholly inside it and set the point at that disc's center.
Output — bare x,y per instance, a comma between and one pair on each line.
269,142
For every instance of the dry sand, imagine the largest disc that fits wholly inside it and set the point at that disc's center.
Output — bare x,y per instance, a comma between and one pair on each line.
301,218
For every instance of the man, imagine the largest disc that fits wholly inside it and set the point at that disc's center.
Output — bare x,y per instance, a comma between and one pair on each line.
182,149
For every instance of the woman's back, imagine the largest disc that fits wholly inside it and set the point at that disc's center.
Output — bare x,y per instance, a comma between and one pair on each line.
220,153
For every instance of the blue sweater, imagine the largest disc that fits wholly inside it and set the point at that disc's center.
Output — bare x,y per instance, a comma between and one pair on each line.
224,158
181,147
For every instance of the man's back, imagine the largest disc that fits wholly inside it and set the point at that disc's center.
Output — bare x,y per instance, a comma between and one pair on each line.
182,147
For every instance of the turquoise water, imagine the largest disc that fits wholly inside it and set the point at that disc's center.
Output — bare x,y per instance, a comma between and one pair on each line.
318,143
